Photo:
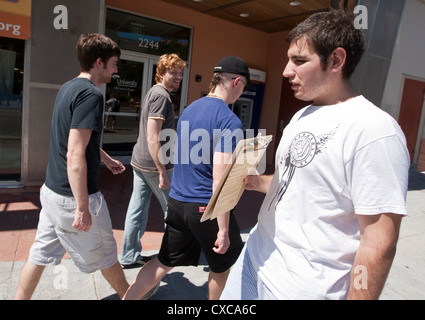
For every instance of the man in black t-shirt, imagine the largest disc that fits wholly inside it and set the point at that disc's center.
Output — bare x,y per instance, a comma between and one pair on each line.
74,216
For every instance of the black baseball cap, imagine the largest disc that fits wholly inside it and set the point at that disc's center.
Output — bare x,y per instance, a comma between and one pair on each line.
233,64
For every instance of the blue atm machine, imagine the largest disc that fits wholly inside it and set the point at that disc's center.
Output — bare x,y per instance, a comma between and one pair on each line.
248,106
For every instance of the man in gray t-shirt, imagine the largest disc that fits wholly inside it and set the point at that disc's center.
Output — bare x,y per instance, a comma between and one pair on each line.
157,109
151,174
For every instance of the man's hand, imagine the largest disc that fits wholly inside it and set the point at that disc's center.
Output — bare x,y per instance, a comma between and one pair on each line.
222,243
164,181
115,166
82,220
258,183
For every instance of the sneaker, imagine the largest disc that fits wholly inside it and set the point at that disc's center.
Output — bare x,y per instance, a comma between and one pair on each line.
151,292
138,264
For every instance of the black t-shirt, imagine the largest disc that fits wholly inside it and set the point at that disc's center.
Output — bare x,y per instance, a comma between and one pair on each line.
78,105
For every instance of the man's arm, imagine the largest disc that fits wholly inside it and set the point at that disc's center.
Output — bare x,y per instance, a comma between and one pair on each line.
154,127
378,241
115,166
260,183
77,175
220,161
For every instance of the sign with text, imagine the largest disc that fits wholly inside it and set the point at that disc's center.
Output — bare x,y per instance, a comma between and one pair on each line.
15,19
141,34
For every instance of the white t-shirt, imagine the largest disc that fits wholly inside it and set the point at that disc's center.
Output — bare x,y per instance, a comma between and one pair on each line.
332,163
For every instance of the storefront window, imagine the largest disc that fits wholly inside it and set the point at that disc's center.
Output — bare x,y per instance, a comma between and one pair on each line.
140,34
143,41
122,108
11,88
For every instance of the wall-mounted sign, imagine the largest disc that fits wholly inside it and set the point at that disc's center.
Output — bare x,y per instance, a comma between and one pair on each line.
257,75
137,33
15,19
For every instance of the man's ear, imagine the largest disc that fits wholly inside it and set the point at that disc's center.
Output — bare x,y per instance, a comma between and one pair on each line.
337,59
99,63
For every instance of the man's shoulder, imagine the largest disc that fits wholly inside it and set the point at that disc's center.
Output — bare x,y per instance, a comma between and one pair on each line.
158,90
81,84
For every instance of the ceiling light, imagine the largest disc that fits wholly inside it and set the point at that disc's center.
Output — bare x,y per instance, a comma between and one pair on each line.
197,0
244,15
295,3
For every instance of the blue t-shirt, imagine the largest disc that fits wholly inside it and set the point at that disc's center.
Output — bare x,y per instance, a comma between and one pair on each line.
205,126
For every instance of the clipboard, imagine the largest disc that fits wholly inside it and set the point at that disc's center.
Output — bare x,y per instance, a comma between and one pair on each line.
243,162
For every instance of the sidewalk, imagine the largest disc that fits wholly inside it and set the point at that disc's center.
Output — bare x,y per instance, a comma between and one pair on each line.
19,209
406,280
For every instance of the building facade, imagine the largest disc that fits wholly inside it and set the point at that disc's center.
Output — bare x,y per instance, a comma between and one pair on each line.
40,57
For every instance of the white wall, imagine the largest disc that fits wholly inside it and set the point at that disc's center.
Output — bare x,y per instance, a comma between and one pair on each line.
408,58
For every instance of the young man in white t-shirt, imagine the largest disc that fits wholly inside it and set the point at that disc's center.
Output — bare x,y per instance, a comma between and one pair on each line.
330,221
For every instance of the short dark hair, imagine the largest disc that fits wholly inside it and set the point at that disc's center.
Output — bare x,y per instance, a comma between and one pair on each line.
326,31
93,46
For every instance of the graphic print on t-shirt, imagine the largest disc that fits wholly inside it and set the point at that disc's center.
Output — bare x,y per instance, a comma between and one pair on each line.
304,147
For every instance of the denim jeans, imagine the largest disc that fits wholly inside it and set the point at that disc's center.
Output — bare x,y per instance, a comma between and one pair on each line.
243,282
144,184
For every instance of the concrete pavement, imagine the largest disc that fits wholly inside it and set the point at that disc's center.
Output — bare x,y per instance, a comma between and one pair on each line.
406,280
19,210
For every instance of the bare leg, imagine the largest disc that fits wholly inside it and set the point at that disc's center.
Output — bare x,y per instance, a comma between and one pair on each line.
30,276
116,278
151,273
216,283
106,122
113,122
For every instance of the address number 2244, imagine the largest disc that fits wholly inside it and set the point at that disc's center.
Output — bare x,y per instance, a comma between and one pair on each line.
145,43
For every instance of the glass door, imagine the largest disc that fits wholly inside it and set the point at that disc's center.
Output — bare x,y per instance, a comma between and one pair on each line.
122,106
11,88
142,41
123,100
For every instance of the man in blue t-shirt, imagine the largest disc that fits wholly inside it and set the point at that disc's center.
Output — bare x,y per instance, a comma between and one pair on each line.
207,134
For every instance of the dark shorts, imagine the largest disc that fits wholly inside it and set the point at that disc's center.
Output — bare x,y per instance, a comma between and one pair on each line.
185,236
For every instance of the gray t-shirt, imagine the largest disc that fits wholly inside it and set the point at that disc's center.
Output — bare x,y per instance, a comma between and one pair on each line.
156,105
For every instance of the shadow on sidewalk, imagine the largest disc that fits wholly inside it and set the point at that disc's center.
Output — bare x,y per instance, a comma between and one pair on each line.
20,208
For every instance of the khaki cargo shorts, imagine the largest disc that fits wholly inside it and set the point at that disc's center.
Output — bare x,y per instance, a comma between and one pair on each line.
91,251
